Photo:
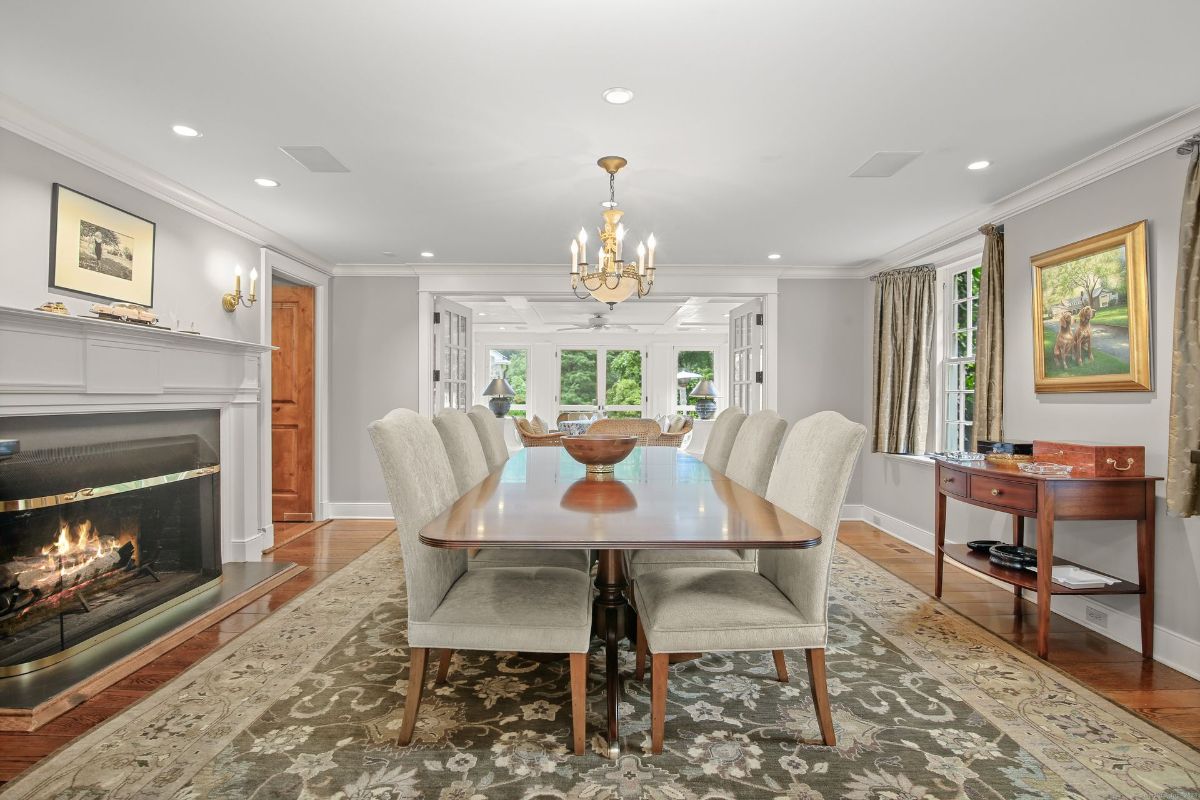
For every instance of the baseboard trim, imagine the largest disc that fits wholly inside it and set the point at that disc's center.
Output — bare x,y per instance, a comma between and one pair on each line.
1170,648
357,510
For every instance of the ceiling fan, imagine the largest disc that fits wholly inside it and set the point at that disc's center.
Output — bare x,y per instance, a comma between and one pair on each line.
598,322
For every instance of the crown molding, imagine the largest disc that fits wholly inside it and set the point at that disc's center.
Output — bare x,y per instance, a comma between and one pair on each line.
954,236
549,270
24,122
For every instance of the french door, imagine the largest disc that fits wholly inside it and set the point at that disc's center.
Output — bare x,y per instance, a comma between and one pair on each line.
452,362
746,356
608,380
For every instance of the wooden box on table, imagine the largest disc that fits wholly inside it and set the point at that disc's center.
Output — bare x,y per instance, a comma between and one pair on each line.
1094,460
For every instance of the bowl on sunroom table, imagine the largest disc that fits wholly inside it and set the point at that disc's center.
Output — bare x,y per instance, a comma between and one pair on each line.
599,453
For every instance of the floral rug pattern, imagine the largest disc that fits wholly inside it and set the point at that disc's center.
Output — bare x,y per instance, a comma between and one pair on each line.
926,705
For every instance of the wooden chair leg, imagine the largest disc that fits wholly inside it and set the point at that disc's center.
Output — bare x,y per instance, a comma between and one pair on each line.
444,666
579,670
640,670
820,693
780,666
659,667
418,659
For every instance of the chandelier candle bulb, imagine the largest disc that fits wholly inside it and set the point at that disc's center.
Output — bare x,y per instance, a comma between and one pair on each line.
641,251
650,244
574,257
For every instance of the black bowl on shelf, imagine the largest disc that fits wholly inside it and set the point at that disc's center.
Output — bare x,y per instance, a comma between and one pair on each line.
983,545
1012,556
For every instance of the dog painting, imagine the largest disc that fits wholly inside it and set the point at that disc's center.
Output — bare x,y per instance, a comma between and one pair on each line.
1091,316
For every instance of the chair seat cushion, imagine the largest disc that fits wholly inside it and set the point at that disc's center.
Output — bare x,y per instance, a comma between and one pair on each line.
639,562
489,557
535,609
704,610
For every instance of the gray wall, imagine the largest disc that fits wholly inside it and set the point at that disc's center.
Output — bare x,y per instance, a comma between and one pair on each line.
193,259
1151,190
373,369
821,339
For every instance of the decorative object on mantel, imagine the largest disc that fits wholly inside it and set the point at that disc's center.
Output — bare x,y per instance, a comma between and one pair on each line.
231,300
1094,460
501,394
1091,314
1183,474
99,250
706,399
54,307
612,280
126,312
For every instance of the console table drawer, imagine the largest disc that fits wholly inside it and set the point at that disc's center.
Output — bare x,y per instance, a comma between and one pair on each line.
1016,495
954,482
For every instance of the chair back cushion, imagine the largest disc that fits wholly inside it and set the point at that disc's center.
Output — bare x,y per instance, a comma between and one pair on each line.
420,485
722,436
491,435
754,450
646,430
463,447
810,482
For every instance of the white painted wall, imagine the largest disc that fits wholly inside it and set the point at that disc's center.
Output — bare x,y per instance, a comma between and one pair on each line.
193,259
903,491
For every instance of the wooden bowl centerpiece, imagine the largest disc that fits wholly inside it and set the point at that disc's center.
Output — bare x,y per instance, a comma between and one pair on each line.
599,453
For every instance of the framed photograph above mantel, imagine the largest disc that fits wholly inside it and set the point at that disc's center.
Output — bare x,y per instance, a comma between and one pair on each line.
99,250
1091,315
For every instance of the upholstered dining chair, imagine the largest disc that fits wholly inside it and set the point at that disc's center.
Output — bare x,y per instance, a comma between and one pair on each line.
752,456
532,609
783,606
465,448
491,436
721,438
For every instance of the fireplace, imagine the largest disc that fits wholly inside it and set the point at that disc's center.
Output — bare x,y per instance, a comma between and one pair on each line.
97,537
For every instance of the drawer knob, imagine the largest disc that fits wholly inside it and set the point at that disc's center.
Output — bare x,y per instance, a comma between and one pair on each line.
1112,462
995,492
947,480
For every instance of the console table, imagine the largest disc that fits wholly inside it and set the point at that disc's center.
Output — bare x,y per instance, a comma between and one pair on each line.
1046,498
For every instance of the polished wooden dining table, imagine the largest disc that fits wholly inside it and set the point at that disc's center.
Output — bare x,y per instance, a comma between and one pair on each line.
658,497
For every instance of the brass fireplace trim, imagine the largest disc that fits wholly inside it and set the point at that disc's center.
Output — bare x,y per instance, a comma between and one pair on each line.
54,658
92,492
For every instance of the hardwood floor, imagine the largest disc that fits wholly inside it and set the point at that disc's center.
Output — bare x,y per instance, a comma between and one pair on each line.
1159,694
322,548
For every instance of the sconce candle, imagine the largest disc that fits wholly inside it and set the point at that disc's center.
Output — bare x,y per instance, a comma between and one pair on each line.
231,300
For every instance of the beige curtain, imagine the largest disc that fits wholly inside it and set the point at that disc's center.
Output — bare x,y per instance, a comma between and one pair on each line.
1183,477
989,343
904,322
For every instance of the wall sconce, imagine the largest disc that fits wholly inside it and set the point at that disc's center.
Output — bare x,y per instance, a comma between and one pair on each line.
231,300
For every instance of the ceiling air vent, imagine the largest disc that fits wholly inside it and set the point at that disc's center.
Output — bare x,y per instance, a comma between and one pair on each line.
315,159
886,163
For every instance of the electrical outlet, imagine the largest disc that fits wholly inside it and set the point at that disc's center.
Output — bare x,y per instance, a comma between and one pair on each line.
1096,617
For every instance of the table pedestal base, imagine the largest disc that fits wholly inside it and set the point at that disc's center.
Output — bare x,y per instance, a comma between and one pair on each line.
611,619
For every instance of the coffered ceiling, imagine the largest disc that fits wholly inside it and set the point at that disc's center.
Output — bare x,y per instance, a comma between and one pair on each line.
470,129
653,314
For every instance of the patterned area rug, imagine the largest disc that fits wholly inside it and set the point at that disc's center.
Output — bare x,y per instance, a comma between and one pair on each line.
926,704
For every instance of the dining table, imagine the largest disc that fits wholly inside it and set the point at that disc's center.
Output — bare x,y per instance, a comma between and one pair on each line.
656,498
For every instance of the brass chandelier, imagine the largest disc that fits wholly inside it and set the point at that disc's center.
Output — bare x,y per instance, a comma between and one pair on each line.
612,279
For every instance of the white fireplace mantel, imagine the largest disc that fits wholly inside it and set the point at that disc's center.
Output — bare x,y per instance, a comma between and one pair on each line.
53,364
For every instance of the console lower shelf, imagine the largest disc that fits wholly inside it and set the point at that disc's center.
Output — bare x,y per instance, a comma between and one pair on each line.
1026,579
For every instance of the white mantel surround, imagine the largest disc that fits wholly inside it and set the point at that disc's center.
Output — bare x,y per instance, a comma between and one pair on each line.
51,364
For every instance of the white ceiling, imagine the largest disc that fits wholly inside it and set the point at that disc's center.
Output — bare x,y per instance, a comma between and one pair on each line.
651,314
471,127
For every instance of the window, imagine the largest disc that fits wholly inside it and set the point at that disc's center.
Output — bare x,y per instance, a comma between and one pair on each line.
691,367
605,380
961,314
513,366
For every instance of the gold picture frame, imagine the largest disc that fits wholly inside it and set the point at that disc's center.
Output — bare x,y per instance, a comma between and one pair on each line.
99,250
1091,315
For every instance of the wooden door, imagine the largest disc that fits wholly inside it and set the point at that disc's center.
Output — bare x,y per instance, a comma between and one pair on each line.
292,403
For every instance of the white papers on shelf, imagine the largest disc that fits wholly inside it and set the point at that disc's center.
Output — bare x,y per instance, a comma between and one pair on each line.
1077,577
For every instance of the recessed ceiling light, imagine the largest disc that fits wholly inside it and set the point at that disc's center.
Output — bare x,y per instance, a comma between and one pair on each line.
501,327
774,256
266,182
979,165
388,253
426,254
617,95
185,130
483,313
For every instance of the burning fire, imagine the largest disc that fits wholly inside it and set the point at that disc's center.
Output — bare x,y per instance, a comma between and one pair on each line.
87,544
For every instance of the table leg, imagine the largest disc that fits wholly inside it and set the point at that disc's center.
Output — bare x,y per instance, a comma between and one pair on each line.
1045,564
1145,553
939,534
611,609
1018,540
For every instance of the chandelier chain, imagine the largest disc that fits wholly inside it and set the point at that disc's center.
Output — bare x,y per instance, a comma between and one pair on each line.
612,189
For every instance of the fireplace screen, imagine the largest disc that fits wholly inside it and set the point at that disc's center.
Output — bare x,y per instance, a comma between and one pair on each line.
94,538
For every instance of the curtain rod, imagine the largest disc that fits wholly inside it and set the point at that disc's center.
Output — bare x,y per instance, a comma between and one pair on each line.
1189,144
903,271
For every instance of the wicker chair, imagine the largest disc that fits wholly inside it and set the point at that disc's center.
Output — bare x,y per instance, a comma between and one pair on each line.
531,437
647,431
675,439
566,416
